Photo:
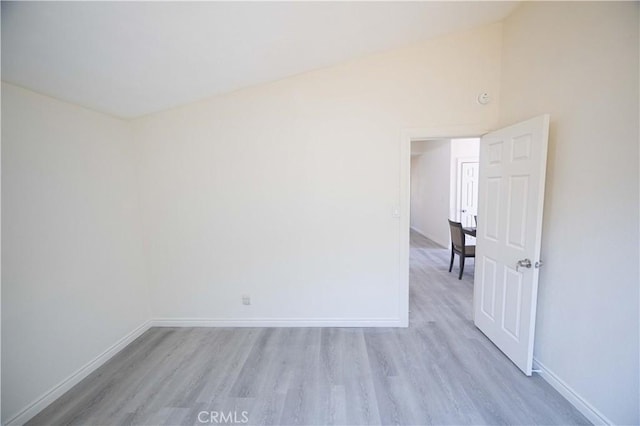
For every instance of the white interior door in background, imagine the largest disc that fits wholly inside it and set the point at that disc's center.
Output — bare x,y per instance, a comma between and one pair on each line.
511,196
468,192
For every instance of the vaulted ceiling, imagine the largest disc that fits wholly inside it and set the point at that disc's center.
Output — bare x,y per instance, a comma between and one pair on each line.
133,58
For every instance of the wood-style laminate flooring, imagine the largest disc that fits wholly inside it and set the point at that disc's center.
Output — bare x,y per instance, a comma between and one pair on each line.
440,370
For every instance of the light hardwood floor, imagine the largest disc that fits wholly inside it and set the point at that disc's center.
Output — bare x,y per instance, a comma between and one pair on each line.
440,370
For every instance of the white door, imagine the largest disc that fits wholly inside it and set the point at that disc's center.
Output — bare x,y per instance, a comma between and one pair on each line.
511,195
468,192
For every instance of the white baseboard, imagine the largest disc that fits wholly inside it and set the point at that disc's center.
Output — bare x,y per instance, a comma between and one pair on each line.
419,231
587,410
277,322
57,391
430,237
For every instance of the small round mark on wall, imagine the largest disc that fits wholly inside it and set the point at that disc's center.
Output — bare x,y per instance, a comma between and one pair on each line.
484,98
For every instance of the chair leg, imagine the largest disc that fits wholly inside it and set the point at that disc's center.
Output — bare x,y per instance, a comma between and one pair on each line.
451,263
461,267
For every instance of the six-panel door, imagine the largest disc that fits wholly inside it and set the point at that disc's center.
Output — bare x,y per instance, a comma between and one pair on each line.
511,196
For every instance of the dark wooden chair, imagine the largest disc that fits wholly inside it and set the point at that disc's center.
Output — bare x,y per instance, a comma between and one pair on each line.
459,247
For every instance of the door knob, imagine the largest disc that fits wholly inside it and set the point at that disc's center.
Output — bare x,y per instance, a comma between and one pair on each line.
523,263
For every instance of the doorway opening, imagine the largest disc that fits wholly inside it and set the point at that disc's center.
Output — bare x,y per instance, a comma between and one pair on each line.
511,194
444,185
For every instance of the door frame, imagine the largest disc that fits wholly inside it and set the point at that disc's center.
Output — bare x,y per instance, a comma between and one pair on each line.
404,202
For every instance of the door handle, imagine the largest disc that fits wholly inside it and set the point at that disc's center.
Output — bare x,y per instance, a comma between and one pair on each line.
523,263
463,211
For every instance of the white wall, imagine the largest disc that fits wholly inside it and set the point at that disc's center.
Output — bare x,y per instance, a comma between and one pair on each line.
430,191
285,191
73,282
579,62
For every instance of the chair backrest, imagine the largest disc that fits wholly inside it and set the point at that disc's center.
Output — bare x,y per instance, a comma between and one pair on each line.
457,236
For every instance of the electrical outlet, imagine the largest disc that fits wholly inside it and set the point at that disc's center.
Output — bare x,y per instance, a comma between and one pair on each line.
246,299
